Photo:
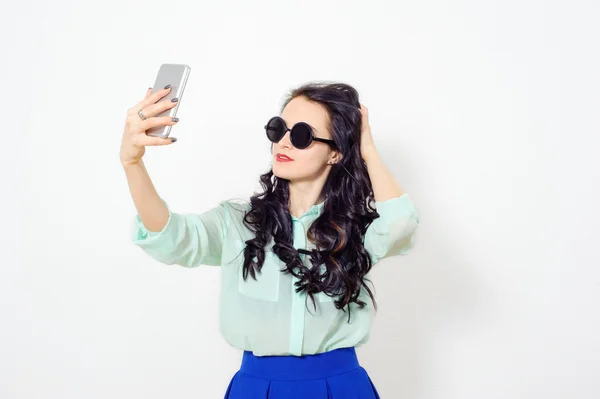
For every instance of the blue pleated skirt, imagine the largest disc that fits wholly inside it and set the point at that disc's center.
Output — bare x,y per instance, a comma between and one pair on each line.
331,375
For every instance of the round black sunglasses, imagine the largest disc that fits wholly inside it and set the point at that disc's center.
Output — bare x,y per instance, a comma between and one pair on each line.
301,133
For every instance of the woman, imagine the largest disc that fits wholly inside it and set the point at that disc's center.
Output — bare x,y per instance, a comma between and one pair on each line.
294,260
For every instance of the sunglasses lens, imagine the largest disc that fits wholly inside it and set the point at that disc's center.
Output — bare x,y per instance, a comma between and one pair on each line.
301,135
275,128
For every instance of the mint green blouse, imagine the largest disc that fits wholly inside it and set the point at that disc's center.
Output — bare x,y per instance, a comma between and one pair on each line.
266,316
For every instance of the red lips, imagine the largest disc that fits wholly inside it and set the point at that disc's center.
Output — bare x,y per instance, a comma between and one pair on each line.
283,158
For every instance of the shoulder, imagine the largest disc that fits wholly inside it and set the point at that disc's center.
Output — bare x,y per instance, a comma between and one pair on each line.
236,206
236,209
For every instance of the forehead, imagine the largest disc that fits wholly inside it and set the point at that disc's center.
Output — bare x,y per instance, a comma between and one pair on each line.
300,109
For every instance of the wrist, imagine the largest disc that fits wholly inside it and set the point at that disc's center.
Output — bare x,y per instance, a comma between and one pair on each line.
130,163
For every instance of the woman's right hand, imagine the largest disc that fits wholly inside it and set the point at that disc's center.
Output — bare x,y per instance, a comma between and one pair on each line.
135,140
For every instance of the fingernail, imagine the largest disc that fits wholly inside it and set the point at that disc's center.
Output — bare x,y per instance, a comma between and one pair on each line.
174,100
175,119
173,139
167,86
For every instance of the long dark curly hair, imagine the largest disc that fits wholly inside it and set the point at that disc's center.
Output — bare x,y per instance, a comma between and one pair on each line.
338,232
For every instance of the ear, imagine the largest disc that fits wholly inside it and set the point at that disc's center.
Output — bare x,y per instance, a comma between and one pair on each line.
335,158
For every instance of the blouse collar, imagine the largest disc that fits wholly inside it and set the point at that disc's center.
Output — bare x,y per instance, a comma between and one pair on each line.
315,209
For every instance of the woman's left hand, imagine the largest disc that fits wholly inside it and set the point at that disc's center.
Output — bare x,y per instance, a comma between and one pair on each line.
367,145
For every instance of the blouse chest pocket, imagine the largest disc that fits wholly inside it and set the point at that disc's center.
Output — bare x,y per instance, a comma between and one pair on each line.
266,285
321,296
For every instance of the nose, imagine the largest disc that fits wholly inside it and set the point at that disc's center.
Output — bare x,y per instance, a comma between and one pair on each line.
286,140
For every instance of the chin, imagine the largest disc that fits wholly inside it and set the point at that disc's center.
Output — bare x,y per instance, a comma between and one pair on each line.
282,174
292,175
286,171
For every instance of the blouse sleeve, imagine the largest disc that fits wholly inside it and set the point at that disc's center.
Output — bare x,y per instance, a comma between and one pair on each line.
393,232
187,240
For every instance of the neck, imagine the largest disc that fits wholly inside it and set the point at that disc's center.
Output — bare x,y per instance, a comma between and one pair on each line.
303,195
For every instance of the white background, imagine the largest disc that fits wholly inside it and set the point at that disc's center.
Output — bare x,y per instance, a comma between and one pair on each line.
486,111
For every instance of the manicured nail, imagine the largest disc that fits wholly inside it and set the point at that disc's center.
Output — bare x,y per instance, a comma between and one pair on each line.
175,119
167,86
173,139
174,100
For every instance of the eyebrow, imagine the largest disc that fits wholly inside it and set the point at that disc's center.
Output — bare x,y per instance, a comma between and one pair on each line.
312,127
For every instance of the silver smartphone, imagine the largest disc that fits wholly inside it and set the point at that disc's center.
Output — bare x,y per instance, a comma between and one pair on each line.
175,75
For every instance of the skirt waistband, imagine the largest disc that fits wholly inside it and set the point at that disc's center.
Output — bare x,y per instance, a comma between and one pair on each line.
293,368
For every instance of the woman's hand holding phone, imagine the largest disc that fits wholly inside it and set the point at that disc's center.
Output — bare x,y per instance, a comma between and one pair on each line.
135,140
